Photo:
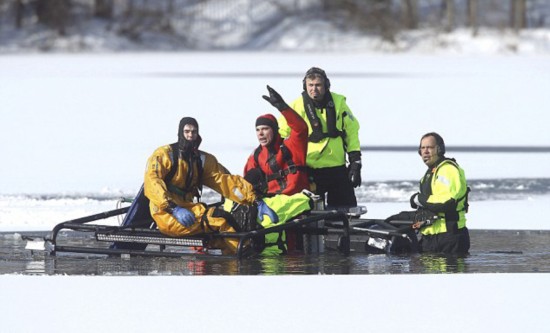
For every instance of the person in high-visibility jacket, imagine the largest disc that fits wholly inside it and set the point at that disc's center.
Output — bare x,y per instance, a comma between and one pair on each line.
175,175
444,192
333,132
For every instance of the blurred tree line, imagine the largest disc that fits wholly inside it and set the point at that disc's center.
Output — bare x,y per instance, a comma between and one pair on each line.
386,18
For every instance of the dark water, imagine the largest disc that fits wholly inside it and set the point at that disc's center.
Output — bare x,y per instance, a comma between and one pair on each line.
492,251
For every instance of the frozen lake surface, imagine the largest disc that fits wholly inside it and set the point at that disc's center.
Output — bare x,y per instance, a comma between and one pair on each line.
87,123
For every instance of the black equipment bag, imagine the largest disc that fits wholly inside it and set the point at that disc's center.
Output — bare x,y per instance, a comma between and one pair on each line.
245,217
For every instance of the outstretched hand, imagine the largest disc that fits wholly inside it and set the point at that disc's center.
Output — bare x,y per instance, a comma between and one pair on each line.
275,99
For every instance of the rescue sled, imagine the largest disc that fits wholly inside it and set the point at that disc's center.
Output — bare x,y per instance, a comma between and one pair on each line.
377,236
318,230
137,234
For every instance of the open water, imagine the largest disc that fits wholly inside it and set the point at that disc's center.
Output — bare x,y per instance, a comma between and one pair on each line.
492,251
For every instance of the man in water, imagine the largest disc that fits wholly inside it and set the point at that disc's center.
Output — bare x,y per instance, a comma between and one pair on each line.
444,192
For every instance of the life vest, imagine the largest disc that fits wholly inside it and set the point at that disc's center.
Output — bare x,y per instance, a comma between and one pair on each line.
317,133
182,191
278,174
436,186
340,134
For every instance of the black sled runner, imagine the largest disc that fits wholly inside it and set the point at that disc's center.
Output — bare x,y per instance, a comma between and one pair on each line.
137,235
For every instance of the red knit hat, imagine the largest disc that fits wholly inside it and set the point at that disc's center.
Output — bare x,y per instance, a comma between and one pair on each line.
268,120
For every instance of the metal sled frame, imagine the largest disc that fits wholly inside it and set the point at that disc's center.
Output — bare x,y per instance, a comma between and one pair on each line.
144,236
377,235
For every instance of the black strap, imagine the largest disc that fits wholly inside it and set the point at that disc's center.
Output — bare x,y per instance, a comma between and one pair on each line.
219,212
193,159
275,168
468,189
285,172
465,197
280,174
426,189
175,158
317,133
257,155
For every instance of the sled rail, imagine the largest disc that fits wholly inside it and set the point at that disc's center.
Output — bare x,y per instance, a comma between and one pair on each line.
311,224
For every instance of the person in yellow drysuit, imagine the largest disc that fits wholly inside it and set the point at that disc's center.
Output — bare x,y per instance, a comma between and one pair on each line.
333,133
444,192
175,175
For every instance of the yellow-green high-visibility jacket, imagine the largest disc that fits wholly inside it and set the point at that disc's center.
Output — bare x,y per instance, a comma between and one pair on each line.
329,152
448,196
286,207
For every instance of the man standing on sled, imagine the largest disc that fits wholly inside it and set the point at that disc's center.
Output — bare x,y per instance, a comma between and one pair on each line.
443,192
333,133
175,175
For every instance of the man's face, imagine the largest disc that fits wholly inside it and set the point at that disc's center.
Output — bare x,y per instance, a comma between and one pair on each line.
428,151
315,88
190,132
264,134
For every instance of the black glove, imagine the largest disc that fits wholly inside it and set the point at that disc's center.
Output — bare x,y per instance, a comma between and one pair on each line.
413,201
354,169
425,216
275,99
256,178
417,199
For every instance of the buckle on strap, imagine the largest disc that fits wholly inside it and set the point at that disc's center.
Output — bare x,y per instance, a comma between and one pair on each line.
281,174
291,169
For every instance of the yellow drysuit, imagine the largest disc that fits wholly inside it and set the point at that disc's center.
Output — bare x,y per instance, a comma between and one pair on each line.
204,169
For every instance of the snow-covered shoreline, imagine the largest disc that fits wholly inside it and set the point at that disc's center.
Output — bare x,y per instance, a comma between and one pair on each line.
311,36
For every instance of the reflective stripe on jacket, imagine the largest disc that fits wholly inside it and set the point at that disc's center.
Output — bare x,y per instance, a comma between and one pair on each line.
329,152
448,196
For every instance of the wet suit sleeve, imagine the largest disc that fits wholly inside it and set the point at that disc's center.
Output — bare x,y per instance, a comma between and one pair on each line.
233,187
284,127
297,141
351,128
250,163
158,165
